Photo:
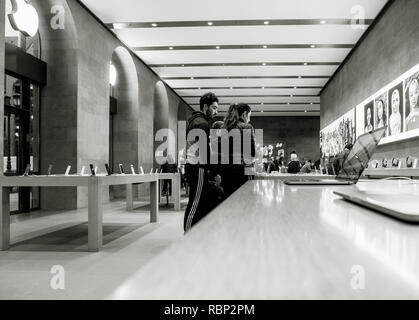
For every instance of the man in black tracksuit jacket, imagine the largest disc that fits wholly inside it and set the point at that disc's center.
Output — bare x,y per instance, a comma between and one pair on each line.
200,202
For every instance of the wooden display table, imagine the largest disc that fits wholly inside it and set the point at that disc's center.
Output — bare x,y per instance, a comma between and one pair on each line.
95,193
392,172
289,176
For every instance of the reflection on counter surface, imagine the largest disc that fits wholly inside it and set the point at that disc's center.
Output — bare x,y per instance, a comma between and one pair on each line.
392,242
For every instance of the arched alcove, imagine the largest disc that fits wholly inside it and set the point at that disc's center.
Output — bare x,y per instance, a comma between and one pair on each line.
123,123
161,117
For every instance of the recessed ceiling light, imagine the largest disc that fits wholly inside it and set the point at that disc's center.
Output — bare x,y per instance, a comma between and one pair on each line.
210,23
261,111
264,64
231,88
305,110
323,21
295,87
170,48
217,47
266,22
311,102
263,88
191,78
265,46
291,95
154,24
299,77
199,88
312,46
305,63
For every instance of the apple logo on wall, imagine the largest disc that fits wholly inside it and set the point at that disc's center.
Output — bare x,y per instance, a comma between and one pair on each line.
24,18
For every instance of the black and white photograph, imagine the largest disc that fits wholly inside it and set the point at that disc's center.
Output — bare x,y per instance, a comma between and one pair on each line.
214,159
396,103
381,111
411,89
369,116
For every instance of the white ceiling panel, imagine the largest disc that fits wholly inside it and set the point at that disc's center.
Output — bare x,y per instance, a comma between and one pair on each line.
266,82
267,99
246,71
249,92
193,10
247,55
263,35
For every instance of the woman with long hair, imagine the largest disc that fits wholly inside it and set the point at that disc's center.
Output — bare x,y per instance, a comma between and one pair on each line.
240,131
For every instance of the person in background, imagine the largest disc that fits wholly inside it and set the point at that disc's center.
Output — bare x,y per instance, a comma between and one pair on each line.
338,160
279,163
307,167
294,165
234,174
200,203
168,167
317,164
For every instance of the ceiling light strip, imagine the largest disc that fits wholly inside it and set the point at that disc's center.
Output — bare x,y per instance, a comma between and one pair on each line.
231,23
241,64
246,77
246,46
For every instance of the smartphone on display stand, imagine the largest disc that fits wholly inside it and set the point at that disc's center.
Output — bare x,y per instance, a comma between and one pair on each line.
132,169
142,170
92,170
83,169
121,169
27,170
49,172
96,170
67,171
151,171
108,170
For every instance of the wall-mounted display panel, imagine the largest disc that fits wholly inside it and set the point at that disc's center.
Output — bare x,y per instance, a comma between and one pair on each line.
395,106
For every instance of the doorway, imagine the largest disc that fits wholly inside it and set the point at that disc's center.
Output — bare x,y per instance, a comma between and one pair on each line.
21,140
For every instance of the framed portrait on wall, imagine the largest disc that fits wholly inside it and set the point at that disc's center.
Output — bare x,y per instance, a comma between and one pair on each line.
411,94
381,111
369,117
396,107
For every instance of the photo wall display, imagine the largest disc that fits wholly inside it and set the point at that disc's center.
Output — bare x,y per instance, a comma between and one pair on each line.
337,135
395,106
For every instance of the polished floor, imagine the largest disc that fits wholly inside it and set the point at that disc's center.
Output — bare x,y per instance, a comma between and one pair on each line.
42,240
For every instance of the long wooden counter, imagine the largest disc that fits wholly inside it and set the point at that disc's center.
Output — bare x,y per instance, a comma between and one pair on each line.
272,241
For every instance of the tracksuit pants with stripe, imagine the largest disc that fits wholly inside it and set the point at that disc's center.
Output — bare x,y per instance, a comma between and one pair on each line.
200,196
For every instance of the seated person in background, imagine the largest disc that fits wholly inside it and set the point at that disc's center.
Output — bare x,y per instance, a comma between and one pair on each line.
279,162
317,164
294,166
307,167
168,167
271,165
338,160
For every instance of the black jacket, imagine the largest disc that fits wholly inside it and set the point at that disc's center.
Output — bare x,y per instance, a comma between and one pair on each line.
243,128
198,120
294,167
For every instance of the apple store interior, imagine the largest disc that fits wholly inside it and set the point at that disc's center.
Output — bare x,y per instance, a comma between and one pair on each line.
209,150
